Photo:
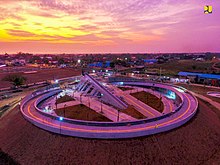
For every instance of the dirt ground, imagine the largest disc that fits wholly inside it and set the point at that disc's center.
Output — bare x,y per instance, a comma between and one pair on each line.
42,75
131,111
197,142
64,99
149,99
125,88
81,112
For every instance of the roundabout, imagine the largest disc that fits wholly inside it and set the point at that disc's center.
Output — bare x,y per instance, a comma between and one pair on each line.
179,106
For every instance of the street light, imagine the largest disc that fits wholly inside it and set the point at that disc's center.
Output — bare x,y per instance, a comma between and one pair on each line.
80,98
118,116
56,102
61,119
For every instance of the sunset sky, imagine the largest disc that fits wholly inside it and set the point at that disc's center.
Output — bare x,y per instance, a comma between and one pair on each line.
102,26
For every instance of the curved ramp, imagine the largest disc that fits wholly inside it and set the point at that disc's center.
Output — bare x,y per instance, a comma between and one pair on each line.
109,130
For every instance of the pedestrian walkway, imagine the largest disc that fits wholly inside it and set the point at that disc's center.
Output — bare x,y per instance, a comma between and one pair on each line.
215,104
100,107
143,108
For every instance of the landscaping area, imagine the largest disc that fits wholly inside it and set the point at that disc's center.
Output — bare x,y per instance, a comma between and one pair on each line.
81,112
125,88
64,99
131,111
150,100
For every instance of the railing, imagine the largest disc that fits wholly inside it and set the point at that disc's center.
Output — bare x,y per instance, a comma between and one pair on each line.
113,96
112,134
100,124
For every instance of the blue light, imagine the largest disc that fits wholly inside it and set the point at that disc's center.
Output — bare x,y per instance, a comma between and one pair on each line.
171,95
121,83
61,118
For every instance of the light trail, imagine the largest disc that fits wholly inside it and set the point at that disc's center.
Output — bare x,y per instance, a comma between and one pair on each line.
110,131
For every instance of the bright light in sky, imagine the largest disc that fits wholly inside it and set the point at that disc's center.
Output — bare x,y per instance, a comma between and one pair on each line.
81,26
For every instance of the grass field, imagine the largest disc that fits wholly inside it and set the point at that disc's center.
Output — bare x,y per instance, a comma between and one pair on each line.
81,112
131,111
173,67
42,75
150,100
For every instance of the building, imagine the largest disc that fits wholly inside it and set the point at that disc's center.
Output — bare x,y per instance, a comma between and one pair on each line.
202,78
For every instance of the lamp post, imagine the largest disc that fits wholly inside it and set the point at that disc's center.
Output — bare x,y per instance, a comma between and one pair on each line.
118,116
61,119
56,102
64,110
81,98
160,100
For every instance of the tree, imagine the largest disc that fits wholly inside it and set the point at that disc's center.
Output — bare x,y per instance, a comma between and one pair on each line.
15,79
194,67
112,64
61,61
